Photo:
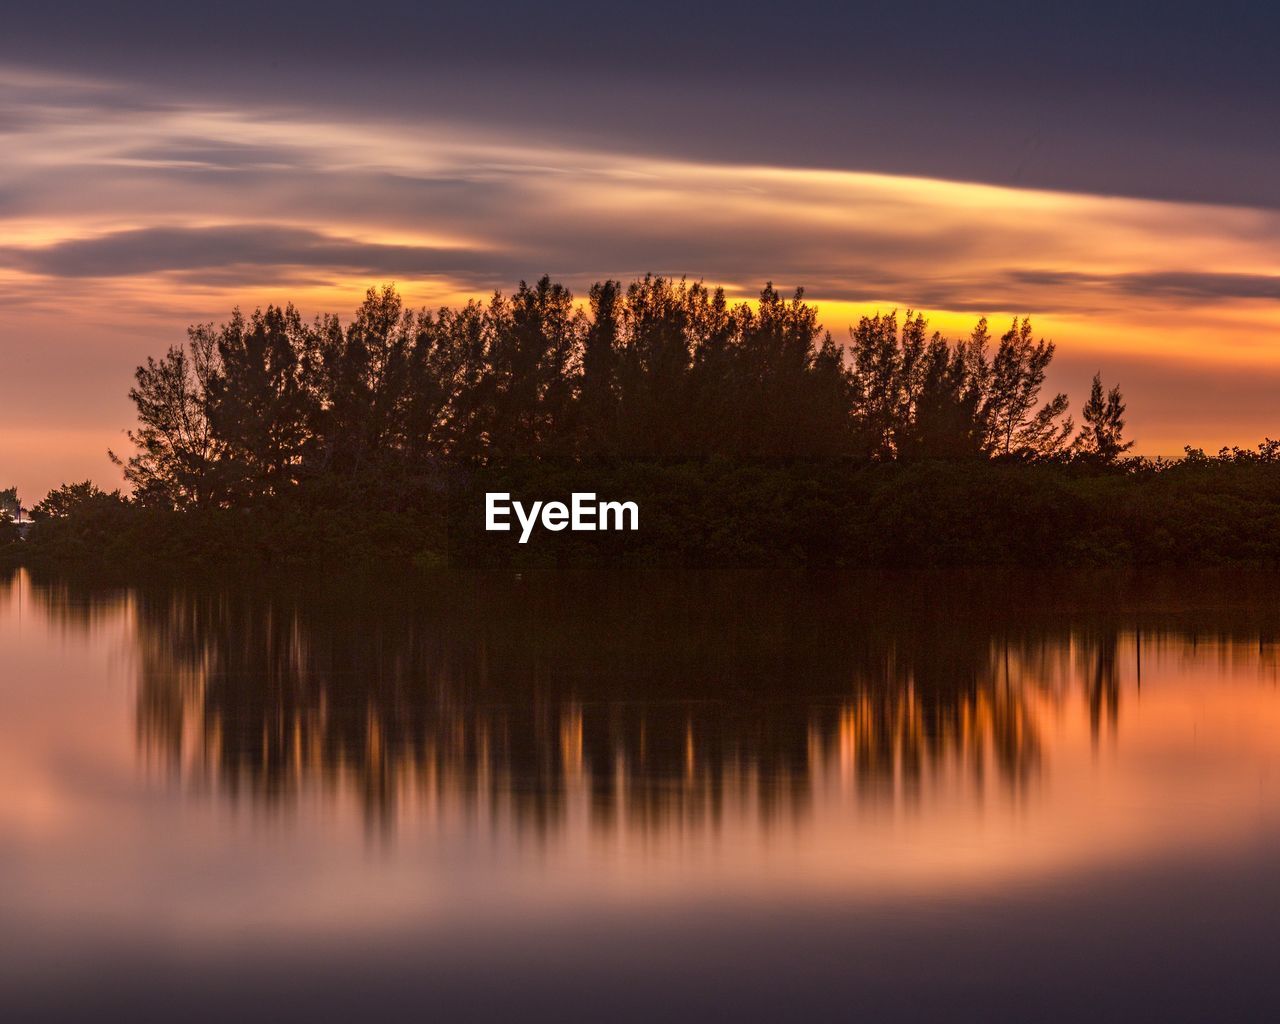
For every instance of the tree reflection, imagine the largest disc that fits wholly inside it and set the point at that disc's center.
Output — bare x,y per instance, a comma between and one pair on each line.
651,700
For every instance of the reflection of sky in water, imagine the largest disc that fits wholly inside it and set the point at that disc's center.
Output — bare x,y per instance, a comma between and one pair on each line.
236,776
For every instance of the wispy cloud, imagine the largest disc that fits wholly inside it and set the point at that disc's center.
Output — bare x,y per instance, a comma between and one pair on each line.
100,182
251,247
1188,286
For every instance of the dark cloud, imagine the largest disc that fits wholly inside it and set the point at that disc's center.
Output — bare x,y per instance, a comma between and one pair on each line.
1158,100
161,249
1186,285
578,249
875,267
1044,291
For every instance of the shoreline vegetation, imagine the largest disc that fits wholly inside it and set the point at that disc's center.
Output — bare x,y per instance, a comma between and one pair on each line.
744,433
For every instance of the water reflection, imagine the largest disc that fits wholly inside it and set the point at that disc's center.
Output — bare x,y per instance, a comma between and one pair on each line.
641,797
649,701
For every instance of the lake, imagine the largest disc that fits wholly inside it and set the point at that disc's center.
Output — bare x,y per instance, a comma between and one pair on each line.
602,796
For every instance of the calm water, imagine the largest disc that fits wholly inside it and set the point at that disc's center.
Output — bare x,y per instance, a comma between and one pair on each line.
637,797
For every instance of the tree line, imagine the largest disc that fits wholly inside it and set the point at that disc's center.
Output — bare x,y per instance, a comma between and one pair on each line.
249,409
746,434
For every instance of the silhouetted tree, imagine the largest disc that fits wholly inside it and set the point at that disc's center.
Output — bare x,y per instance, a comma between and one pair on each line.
713,420
356,379
599,388
878,385
945,392
176,462
446,367
532,359
258,407
789,394
1101,436
653,373
70,499
916,395
265,403
1017,425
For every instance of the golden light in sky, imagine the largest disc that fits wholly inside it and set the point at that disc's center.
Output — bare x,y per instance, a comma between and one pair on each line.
135,220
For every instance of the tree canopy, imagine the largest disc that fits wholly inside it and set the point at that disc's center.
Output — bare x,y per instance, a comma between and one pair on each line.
661,367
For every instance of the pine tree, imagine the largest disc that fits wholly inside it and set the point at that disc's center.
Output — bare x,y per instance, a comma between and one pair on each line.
1016,428
1101,436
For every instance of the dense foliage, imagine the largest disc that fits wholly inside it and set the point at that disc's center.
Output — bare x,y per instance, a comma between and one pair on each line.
745,433
253,408
718,512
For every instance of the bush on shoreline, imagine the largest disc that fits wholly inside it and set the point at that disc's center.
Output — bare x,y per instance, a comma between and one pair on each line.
709,512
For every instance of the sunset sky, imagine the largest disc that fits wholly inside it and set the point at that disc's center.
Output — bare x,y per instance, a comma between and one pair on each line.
1114,174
